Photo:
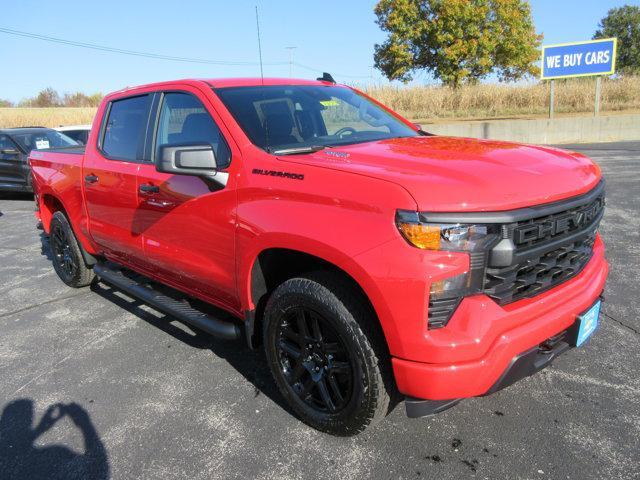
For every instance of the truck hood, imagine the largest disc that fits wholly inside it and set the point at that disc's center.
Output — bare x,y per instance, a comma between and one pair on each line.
449,174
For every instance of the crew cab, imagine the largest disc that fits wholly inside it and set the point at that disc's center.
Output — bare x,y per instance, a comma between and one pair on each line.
371,260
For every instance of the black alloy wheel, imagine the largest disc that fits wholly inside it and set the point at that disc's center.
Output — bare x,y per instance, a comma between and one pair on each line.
62,253
314,360
66,253
327,354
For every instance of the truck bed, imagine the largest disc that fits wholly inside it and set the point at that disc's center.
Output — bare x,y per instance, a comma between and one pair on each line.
57,173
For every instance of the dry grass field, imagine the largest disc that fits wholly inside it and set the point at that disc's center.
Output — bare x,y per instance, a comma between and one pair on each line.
422,103
45,117
499,100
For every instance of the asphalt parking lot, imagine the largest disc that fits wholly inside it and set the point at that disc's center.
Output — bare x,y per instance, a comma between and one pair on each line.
95,385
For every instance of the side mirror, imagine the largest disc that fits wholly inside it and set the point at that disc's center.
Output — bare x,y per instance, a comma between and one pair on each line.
187,160
195,160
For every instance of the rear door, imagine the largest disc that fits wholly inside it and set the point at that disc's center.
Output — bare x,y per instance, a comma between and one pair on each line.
110,178
13,166
188,223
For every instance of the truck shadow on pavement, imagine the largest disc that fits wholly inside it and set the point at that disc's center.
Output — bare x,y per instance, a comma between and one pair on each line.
251,364
21,458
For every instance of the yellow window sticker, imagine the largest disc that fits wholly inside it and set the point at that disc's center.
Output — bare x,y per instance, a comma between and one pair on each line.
329,103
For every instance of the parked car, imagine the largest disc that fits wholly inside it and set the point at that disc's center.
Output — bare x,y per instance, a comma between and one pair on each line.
367,258
80,133
15,145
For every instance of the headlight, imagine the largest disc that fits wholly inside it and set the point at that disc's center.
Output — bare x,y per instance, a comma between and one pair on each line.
452,237
474,239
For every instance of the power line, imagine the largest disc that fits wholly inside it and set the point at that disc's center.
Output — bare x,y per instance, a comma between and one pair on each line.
104,48
335,74
157,56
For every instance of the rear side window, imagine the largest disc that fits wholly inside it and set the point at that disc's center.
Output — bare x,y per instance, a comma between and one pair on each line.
184,121
126,128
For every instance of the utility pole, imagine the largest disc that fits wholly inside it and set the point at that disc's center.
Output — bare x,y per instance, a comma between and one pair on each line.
291,49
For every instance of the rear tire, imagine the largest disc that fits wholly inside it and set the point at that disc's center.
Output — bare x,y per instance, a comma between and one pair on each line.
325,357
68,261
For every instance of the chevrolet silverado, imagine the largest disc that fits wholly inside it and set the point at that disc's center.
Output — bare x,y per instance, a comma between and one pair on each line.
372,261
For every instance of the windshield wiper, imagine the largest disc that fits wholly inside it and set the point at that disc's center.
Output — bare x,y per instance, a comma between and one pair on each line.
299,150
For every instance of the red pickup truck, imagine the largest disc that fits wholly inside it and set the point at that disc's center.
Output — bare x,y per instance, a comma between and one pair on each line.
371,260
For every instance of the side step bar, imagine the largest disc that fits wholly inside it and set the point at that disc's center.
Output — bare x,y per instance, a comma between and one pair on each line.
180,310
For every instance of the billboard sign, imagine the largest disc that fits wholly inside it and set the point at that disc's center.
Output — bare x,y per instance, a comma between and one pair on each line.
579,59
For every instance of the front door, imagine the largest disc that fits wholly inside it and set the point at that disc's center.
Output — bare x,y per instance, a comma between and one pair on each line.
110,178
13,168
187,222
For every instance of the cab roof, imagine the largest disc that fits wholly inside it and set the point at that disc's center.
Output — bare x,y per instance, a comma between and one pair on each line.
256,82
228,82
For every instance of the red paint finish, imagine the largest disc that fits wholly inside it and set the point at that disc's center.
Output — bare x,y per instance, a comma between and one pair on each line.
111,206
205,241
449,174
469,356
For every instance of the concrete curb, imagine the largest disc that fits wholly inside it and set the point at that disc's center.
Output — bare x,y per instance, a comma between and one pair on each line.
605,128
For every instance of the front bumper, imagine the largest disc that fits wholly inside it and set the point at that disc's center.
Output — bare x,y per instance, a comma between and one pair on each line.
503,335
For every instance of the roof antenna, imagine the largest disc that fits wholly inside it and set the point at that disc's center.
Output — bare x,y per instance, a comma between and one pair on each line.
259,46
326,77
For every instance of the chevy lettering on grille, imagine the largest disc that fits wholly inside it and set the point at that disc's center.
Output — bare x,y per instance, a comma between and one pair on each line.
564,224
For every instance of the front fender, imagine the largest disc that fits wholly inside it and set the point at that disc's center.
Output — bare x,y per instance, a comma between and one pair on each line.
335,216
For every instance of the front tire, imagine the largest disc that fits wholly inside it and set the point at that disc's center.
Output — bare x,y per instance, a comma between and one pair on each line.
68,261
325,357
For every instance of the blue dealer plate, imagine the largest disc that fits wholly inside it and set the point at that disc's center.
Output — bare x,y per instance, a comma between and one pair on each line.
588,323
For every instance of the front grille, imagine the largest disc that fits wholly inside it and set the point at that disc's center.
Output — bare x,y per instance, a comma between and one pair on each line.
537,231
539,273
538,248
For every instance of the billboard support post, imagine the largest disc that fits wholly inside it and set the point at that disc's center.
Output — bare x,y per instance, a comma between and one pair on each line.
552,99
596,110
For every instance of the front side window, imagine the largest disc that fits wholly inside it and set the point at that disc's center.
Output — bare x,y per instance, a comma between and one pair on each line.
125,128
293,116
184,121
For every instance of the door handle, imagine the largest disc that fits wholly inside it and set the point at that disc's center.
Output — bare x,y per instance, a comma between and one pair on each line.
147,188
160,203
91,178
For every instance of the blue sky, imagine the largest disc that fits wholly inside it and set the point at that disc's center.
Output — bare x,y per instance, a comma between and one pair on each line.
333,35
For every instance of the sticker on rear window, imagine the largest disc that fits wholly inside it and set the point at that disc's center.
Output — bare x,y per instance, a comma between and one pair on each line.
329,103
42,144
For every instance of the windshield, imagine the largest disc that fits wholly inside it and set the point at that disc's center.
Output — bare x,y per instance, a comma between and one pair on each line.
293,116
42,140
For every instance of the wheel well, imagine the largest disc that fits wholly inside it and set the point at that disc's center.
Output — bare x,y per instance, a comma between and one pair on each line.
277,265
49,206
